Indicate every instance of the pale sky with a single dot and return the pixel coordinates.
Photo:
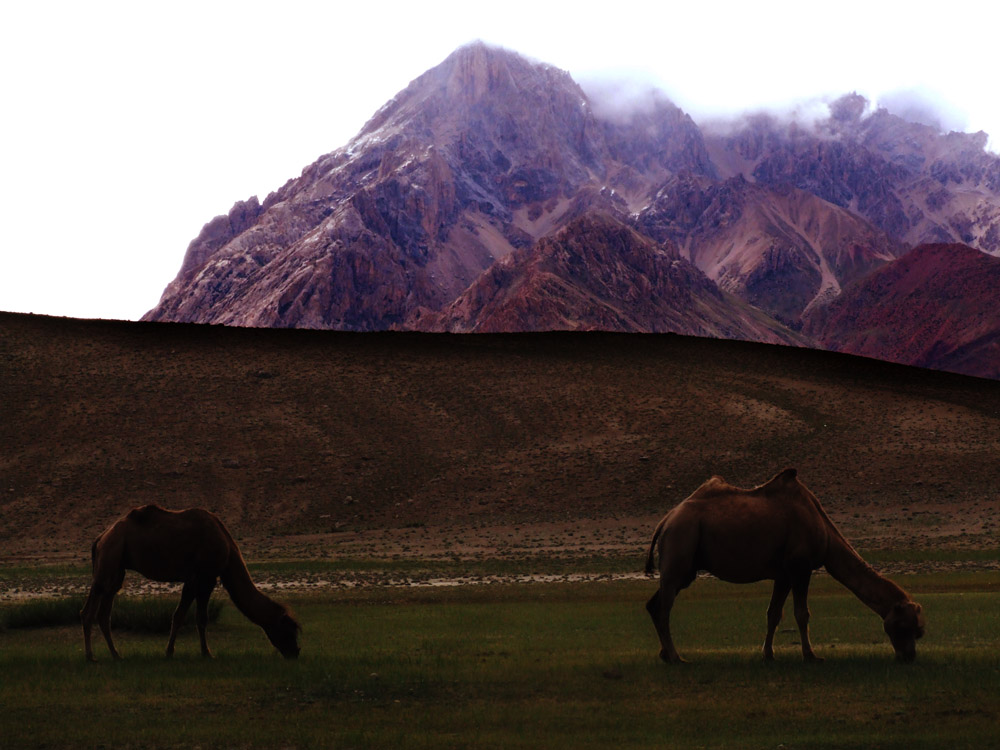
(126, 126)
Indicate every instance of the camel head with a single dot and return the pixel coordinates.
(284, 635)
(904, 625)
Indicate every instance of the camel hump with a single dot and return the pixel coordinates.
(145, 514)
(780, 480)
(712, 487)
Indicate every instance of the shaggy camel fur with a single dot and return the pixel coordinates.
(780, 532)
(192, 547)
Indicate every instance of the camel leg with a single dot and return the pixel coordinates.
(105, 604)
(204, 594)
(87, 615)
(187, 596)
(659, 607)
(800, 592)
(778, 596)
(104, 621)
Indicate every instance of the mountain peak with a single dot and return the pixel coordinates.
(849, 108)
(478, 69)
(476, 78)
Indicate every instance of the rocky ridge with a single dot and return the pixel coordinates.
(599, 274)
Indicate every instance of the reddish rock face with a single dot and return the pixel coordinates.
(490, 194)
(599, 274)
(938, 306)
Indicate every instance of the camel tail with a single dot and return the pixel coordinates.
(651, 555)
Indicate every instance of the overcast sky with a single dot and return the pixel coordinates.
(125, 127)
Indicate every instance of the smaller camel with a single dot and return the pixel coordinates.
(780, 532)
(192, 547)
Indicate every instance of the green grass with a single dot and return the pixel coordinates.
(41, 572)
(143, 614)
(932, 555)
(399, 567)
(507, 666)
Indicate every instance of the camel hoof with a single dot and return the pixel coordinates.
(813, 659)
(672, 658)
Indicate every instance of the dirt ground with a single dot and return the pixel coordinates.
(324, 445)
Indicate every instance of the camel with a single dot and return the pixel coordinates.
(780, 532)
(192, 547)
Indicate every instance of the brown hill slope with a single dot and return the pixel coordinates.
(331, 444)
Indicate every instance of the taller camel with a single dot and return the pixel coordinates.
(780, 532)
(192, 547)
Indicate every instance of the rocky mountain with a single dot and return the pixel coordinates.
(479, 156)
(938, 306)
(493, 194)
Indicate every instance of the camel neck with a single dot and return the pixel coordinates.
(846, 565)
(251, 601)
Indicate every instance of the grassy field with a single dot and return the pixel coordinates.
(530, 665)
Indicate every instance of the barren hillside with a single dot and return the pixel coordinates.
(327, 444)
